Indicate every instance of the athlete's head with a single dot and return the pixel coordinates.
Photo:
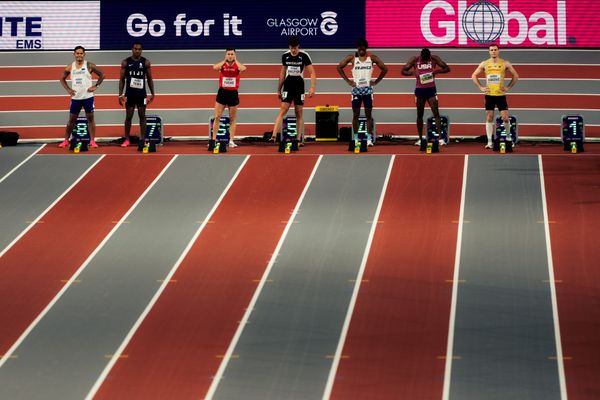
(494, 50)
(361, 46)
(230, 55)
(79, 53)
(293, 45)
(136, 50)
(425, 54)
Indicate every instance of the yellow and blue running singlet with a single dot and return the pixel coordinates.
(494, 75)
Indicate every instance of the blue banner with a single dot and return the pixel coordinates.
(237, 24)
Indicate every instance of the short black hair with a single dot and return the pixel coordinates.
(78, 47)
(362, 42)
(493, 45)
(135, 43)
(230, 49)
(293, 41)
(425, 53)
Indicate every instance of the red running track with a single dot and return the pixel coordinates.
(177, 348)
(270, 100)
(36, 268)
(272, 71)
(573, 196)
(396, 343)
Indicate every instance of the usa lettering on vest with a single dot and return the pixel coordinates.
(553, 28)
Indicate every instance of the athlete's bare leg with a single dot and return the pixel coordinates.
(433, 104)
(420, 112)
(70, 125)
(142, 118)
(92, 125)
(283, 109)
(232, 122)
(299, 123)
(218, 113)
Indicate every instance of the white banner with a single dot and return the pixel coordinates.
(49, 25)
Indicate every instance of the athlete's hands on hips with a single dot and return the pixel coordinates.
(92, 88)
(504, 89)
(71, 92)
(373, 82)
(484, 89)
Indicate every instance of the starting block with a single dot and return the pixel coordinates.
(154, 129)
(289, 136)
(80, 136)
(219, 145)
(432, 131)
(502, 142)
(572, 133)
(433, 140)
(359, 142)
(153, 136)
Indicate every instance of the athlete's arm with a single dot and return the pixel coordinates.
(340, 69)
(150, 80)
(444, 67)
(241, 66)
(515, 76)
(94, 69)
(122, 82)
(313, 79)
(281, 79)
(219, 65)
(383, 69)
(475, 79)
(63, 80)
(406, 70)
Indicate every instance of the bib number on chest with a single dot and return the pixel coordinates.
(426, 78)
(493, 79)
(294, 71)
(362, 82)
(228, 81)
(136, 83)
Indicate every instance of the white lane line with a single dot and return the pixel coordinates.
(557, 339)
(162, 287)
(35, 221)
(238, 333)
(21, 163)
(450, 346)
(361, 271)
(81, 268)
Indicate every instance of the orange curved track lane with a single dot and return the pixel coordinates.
(36, 268)
(179, 346)
(573, 195)
(178, 101)
(272, 71)
(398, 334)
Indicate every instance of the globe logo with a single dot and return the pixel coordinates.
(483, 22)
